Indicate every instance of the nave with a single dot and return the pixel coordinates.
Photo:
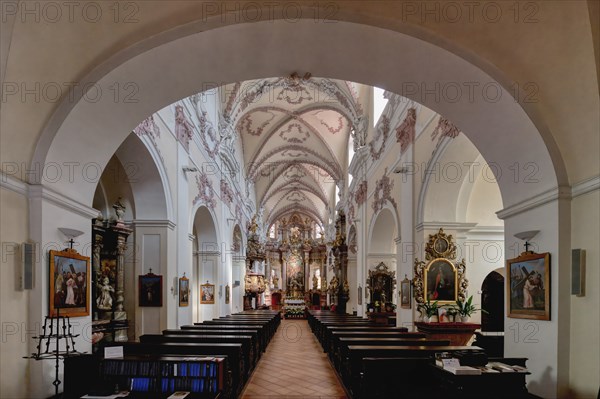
(294, 366)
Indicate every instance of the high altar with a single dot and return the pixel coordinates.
(291, 265)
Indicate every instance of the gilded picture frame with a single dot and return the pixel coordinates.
(184, 291)
(405, 293)
(69, 283)
(207, 294)
(528, 286)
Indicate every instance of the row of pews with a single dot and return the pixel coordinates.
(375, 361)
(239, 339)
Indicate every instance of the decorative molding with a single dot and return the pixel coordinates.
(461, 227)
(206, 193)
(152, 223)
(383, 132)
(405, 133)
(206, 253)
(585, 186)
(227, 194)
(37, 191)
(445, 128)
(383, 193)
(184, 130)
(556, 193)
(360, 195)
(15, 185)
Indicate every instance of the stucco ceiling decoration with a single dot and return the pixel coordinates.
(294, 132)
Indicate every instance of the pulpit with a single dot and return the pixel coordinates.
(458, 334)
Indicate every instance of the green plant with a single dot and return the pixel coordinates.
(467, 308)
(430, 309)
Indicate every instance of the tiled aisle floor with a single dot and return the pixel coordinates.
(294, 366)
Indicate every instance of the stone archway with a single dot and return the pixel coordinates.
(90, 132)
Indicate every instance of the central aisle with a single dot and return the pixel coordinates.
(294, 365)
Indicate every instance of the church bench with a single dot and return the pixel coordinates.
(253, 334)
(260, 330)
(351, 366)
(271, 322)
(383, 378)
(323, 327)
(328, 333)
(246, 341)
(341, 349)
(233, 352)
(266, 328)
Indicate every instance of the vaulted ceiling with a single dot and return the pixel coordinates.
(295, 135)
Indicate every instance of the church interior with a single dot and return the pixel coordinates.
(288, 199)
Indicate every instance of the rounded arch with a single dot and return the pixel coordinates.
(490, 125)
(204, 225)
(136, 174)
(492, 301)
(383, 230)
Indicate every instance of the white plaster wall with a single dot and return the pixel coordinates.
(585, 317)
(544, 343)
(14, 303)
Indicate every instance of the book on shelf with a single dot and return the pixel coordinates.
(506, 368)
(463, 370)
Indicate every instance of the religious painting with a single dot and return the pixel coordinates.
(441, 281)
(227, 294)
(150, 290)
(184, 291)
(207, 293)
(69, 282)
(528, 288)
(405, 301)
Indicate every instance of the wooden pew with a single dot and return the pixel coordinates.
(352, 366)
(253, 334)
(343, 344)
(336, 334)
(327, 334)
(383, 378)
(266, 328)
(245, 340)
(260, 330)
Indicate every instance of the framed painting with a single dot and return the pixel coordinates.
(441, 281)
(528, 288)
(207, 293)
(359, 297)
(184, 291)
(150, 287)
(227, 294)
(405, 301)
(69, 284)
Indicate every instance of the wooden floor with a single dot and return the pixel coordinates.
(294, 366)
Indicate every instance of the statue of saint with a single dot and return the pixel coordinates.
(119, 209)
(104, 301)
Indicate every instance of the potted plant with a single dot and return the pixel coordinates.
(466, 309)
(429, 310)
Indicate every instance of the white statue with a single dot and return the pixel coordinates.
(104, 301)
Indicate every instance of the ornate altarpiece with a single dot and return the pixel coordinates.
(108, 262)
(441, 278)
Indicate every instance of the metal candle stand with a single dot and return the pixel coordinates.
(46, 339)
